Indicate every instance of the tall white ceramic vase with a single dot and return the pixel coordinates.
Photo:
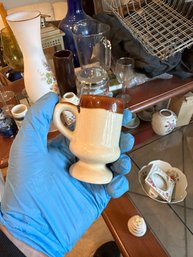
(38, 76)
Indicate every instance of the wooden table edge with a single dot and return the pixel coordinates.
(182, 87)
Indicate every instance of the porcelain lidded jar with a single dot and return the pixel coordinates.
(164, 122)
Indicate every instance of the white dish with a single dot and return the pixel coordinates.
(177, 175)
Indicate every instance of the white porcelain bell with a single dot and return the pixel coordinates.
(137, 226)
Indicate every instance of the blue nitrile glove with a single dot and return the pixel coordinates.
(43, 205)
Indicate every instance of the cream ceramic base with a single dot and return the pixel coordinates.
(91, 173)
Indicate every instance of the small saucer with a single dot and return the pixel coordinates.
(134, 123)
(177, 175)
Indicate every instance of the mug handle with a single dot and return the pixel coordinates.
(61, 107)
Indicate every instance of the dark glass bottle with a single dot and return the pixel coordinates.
(75, 13)
(64, 69)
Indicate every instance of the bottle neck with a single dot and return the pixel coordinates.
(3, 15)
(75, 6)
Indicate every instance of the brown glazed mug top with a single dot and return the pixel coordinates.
(102, 102)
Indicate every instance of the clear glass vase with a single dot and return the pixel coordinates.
(75, 13)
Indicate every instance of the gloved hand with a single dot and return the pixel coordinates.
(43, 205)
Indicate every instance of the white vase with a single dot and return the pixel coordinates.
(38, 76)
(163, 122)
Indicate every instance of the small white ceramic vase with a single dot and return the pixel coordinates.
(164, 122)
(38, 76)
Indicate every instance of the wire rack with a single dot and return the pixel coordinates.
(163, 27)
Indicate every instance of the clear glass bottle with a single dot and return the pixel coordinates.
(75, 13)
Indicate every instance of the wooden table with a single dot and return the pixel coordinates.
(119, 210)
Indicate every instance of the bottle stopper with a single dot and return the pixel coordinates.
(137, 226)
(71, 98)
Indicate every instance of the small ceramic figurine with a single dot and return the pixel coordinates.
(8, 127)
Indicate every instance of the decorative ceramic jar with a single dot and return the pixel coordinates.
(163, 122)
(75, 13)
(38, 76)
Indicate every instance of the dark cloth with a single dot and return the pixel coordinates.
(124, 44)
(108, 249)
(7, 248)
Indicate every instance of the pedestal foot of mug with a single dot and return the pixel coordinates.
(91, 173)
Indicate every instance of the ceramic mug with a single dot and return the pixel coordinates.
(95, 139)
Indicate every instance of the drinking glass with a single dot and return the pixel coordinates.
(124, 72)
(7, 99)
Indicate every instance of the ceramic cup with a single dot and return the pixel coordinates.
(95, 139)
(18, 112)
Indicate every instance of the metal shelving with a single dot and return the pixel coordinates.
(162, 27)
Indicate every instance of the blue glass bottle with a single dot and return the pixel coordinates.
(75, 13)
